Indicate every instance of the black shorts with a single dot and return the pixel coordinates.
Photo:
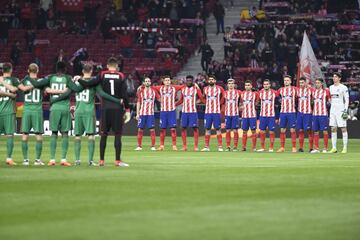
(111, 121)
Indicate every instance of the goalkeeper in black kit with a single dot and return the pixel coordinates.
(113, 115)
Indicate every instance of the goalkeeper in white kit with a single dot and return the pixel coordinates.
(338, 112)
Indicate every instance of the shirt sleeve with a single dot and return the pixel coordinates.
(346, 97)
(91, 83)
(15, 82)
(40, 83)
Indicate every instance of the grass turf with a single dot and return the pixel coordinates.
(177, 195)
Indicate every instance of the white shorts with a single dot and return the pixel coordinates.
(336, 120)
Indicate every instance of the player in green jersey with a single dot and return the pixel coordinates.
(60, 119)
(8, 87)
(85, 114)
(32, 117)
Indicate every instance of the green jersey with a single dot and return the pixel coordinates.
(32, 99)
(85, 102)
(57, 82)
(7, 104)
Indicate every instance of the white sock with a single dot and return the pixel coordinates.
(333, 139)
(345, 139)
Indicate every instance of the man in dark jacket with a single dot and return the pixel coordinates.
(219, 13)
(206, 54)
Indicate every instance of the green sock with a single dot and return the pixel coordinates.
(53, 141)
(38, 149)
(9, 146)
(25, 147)
(64, 146)
(91, 149)
(77, 149)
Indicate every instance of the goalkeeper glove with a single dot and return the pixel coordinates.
(127, 117)
(345, 115)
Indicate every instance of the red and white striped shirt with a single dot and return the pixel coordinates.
(267, 102)
(288, 96)
(248, 99)
(189, 97)
(304, 100)
(213, 98)
(320, 98)
(167, 96)
(232, 102)
(146, 97)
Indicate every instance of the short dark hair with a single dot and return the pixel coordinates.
(320, 80)
(338, 74)
(287, 76)
(166, 76)
(302, 79)
(190, 76)
(266, 80)
(87, 68)
(60, 67)
(211, 76)
(7, 67)
(112, 61)
(248, 81)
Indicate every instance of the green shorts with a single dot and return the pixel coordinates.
(32, 120)
(7, 124)
(84, 124)
(60, 121)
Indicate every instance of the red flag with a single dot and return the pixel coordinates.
(70, 5)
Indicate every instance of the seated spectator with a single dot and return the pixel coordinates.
(26, 15)
(354, 110)
(15, 53)
(29, 40)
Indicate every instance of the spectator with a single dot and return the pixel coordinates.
(26, 16)
(105, 27)
(29, 40)
(354, 111)
(131, 16)
(253, 59)
(261, 46)
(206, 55)
(4, 29)
(131, 86)
(219, 13)
(51, 17)
(15, 9)
(142, 13)
(227, 41)
(90, 15)
(126, 42)
(15, 53)
(41, 18)
(150, 43)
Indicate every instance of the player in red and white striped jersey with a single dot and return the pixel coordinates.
(145, 112)
(189, 117)
(167, 94)
(321, 97)
(249, 99)
(267, 114)
(214, 98)
(232, 120)
(287, 113)
(304, 115)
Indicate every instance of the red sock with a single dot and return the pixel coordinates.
(301, 139)
(196, 137)
(207, 140)
(293, 139)
(311, 139)
(254, 138)
(244, 140)
(139, 137)
(162, 136)
(228, 139)
(282, 139)
(219, 139)
(316, 140)
(262, 140)
(183, 136)
(272, 140)
(236, 138)
(173, 136)
(153, 137)
(326, 140)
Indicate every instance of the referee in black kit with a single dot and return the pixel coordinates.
(113, 115)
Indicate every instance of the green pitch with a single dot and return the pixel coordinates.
(177, 195)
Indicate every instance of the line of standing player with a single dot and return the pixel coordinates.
(109, 85)
(304, 109)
